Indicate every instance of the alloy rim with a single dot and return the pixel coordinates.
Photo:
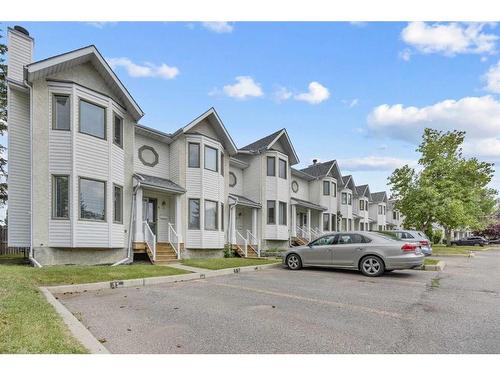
(293, 262)
(371, 266)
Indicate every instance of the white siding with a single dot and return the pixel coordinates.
(19, 178)
(204, 184)
(238, 188)
(159, 170)
(20, 54)
(303, 192)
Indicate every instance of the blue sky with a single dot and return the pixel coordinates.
(359, 93)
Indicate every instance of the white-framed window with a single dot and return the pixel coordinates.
(193, 155)
(222, 163)
(117, 204)
(92, 118)
(282, 168)
(380, 209)
(271, 212)
(61, 112)
(211, 158)
(92, 200)
(60, 196)
(193, 213)
(282, 213)
(349, 199)
(344, 198)
(361, 205)
(271, 166)
(326, 187)
(334, 189)
(117, 130)
(326, 222)
(211, 215)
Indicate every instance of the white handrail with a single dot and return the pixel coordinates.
(238, 234)
(173, 234)
(250, 236)
(315, 233)
(150, 239)
(302, 232)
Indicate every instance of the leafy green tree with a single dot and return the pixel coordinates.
(449, 189)
(3, 121)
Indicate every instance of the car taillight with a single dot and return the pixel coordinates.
(424, 243)
(409, 247)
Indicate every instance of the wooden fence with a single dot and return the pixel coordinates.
(4, 247)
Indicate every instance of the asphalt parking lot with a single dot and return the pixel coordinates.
(308, 311)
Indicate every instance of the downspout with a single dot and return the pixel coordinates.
(129, 258)
(31, 255)
(231, 218)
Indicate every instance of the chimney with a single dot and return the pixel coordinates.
(315, 161)
(20, 50)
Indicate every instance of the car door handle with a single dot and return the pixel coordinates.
(359, 248)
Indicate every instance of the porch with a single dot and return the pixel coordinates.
(157, 218)
(306, 221)
(243, 226)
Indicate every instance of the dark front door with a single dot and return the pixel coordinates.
(150, 213)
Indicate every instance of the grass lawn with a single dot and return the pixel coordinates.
(430, 261)
(28, 324)
(220, 263)
(445, 250)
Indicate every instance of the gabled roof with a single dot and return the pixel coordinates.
(300, 174)
(364, 191)
(303, 203)
(55, 64)
(244, 201)
(379, 196)
(267, 143)
(213, 118)
(348, 182)
(320, 170)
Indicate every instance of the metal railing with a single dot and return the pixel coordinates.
(174, 240)
(302, 232)
(150, 239)
(240, 240)
(251, 237)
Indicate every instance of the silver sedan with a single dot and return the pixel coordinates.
(371, 253)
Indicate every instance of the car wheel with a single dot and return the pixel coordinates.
(293, 262)
(372, 266)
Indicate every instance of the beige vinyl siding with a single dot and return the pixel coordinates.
(19, 177)
(303, 192)
(20, 54)
(159, 170)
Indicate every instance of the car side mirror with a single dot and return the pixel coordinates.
(310, 244)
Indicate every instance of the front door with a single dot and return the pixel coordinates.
(150, 213)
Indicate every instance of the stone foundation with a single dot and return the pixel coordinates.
(50, 256)
(202, 253)
(274, 244)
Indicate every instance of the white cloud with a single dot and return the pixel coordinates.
(492, 78)
(244, 87)
(449, 38)
(146, 70)
(485, 148)
(317, 93)
(351, 103)
(218, 27)
(478, 116)
(282, 94)
(100, 24)
(374, 163)
(405, 54)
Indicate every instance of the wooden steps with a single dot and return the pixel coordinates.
(165, 253)
(240, 250)
(299, 241)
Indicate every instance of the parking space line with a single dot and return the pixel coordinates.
(313, 300)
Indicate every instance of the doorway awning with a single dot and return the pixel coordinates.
(307, 204)
(244, 201)
(158, 183)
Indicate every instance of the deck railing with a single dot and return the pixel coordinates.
(174, 240)
(240, 240)
(251, 239)
(150, 239)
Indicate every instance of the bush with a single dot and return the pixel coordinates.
(228, 252)
(437, 236)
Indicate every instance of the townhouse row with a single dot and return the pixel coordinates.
(88, 184)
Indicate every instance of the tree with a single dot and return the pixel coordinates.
(450, 190)
(3, 121)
